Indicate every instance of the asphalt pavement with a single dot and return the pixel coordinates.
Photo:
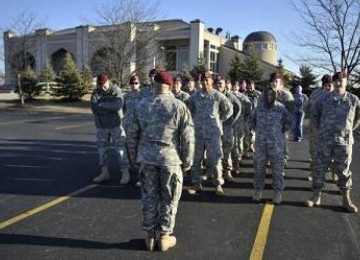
(45, 157)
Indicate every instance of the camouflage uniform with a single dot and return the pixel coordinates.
(183, 96)
(161, 139)
(269, 125)
(146, 91)
(107, 109)
(130, 100)
(209, 110)
(238, 148)
(249, 138)
(336, 117)
(228, 138)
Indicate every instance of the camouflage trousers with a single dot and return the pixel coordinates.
(336, 156)
(118, 138)
(238, 148)
(249, 137)
(228, 142)
(312, 146)
(214, 154)
(160, 193)
(273, 152)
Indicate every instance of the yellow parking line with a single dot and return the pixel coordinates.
(72, 126)
(262, 233)
(43, 207)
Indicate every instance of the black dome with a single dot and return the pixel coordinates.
(261, 36)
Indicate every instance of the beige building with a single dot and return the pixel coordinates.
(176, 44)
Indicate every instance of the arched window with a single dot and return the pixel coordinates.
(57, 59)
(22, 60)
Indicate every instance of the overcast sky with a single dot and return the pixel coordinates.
(235, 17)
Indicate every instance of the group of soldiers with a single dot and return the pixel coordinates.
(203, 128)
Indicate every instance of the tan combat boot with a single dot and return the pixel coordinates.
(228, 177)
(219, 191)
(277, 197)
(257, 195)
(347, 203)
(195, 189)
(167, 242)
(150, 240)
(104, 175)
(125, 176)
(315, 199)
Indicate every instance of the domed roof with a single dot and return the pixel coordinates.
(261, 36)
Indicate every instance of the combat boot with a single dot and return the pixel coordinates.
(195, 189)
(277, 197)
(167, 242)
(104, 175)
(347, 203)
(150, 240)
(257, 195)
(227, 176)
(315, 199)
(125, 176)
(219, 191)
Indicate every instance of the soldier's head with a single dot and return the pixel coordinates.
(340, 81)
(152, 74)
(242, 85)
(326, 82)
(190, 85)
(207, 81)
(298, 89)
(250, 85)
(276, 81)
(163, 82)
(269, 97)
(177, 84)
(228, 85)
(220, 84)
(134, 82)
(103, 81)
(235, 87)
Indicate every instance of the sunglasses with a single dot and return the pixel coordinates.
(135, 83)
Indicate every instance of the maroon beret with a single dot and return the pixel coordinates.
(164, 77)
(102, 78)
(276, 75)
(133, 79)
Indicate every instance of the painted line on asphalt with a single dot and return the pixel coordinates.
(35, 120)
(72, 126)
(44, 207)
(262, 233)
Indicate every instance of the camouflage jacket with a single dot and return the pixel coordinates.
(161, 132)
(336, 117)
(183, 96)
(146, 91)
(130, 100)
(254, 97)
(107, 107)
(236, 109)
(246, 104)
(209, 110)
(270, 124)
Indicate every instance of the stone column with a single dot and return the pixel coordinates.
(82, 46)
(197, 28)
(9, 78)
(41, 49)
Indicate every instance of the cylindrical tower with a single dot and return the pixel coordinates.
(263, 44)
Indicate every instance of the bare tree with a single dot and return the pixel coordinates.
(20, 32)
(126, 38)
(331, 34)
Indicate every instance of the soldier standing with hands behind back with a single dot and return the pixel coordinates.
(161, 140)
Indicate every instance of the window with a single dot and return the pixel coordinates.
(176, 57)
(214, 65)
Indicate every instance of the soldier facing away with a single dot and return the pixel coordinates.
(269, 120)
(161, 140)
(336, 116)
(106, 105)
(209, 109)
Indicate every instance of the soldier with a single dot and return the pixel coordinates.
(228, 138)
(209, 109)
(130, 100)
(160, 126)
(106, 105)
(270, 120)
(301, 102)
(254, 96)
(315, 97)
(190, 86)
(286, 98)
(148, 90)
(336, 116)
(178, 93)
(238, 149)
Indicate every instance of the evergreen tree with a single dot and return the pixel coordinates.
(306, 78)
(286, 75)
(28, 81)
(86, 80)
(235, 69)
(185, 72)
(69, 80)
(250, 69)
(200, 67)
(47, 74)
